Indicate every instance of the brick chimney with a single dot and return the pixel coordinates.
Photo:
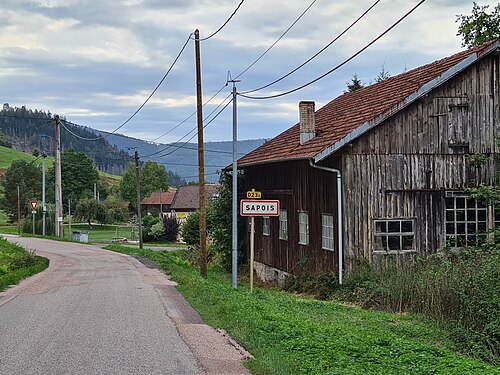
(307, 121)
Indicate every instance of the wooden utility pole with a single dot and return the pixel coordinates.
(201, 160)
(58, 183)
(138, 185)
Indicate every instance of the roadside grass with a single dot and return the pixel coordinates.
(17, 264)
(292, 334)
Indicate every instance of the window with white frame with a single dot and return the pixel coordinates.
(394, 235)
(327, 232)
(266, 225)
(466, 220)
(303, 228)
(283, 225)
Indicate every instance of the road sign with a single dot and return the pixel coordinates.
(254, 194)
(33, 204)
(260, 207)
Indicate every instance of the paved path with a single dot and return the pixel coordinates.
(98, 312)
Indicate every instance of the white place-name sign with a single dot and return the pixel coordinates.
(260, 207)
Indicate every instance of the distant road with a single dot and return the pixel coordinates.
(98, 312)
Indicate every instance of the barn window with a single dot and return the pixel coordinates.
(303, 228)
(394, 235)
(327, 232)
(266, 226)
(466, 220)
(283, 225)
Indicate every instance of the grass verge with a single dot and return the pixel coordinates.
(16, 264)
(290, 334)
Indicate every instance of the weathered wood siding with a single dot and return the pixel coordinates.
(402, 167)
(299, 188)
(399, 169)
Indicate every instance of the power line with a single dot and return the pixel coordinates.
(339, 65)
(276, 41)
(224, 24)
(317, 53)
(208, 123)
(244, 71)
(157, 86)
(185, 135)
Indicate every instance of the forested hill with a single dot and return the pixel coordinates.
(27, 129)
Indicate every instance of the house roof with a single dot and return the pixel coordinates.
(187, 197)
(157, 197)
(352, 114)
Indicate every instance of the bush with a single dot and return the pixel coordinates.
(459, 290)
(171, 229)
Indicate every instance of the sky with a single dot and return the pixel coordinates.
(96, 62)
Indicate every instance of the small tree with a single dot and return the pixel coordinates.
(354, 85)
(383, 75)
(480, 26)
(90, 209)
(171, 228)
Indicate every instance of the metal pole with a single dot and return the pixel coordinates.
(58, 182)
(235, 193)
(18, 210)
(201, 160)
(44, 209)
(138, 184)
(33, 213)
(252, 244)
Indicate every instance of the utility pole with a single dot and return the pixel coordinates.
(138, 185)
(235, 191)
(18, 210)
(58, 183)
(201, 160)
(44, 209)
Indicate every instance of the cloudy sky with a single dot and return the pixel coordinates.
(96, 62)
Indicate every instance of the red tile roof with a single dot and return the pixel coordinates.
(350, 111)
(156, 198)
(187, 197)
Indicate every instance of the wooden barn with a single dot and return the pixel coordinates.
(380, 173)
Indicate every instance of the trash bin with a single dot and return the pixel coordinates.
(81, 236)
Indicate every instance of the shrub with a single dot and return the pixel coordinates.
(171, 228)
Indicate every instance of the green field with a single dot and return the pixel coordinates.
(293, 334)
(8, 155)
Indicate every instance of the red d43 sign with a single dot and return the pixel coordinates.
(259, 208)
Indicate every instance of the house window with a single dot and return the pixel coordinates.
(394, 235)
(466, 220)
(327, 232)
(283, 225)
(266, 226)
(303, 228)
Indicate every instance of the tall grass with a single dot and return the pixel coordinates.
(459, 290)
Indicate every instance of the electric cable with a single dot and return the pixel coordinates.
(339, 65)
(244, 71)
(276, 41)
(185, 135)
(224, 24)
(208, 123)
(317, 53)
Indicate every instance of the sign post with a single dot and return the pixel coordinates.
(252, 208)
(33, 204)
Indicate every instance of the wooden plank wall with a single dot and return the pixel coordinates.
(401, 168)
(299, 188)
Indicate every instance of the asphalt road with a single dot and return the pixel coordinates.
(98, 312)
